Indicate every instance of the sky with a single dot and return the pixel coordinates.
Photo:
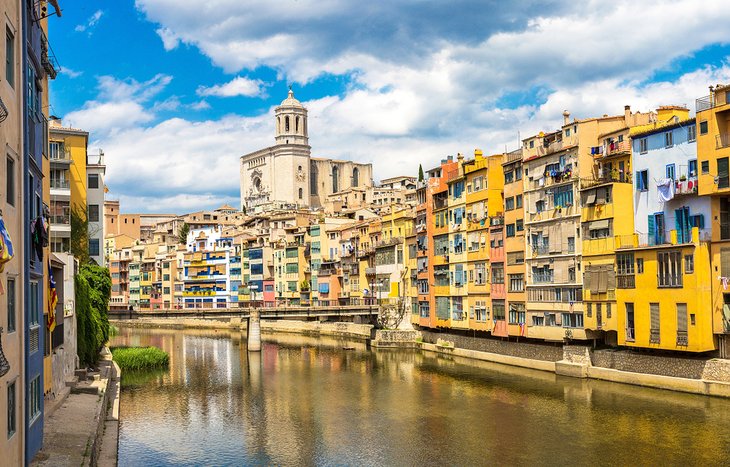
(176, 91)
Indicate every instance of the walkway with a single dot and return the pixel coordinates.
(72, 434)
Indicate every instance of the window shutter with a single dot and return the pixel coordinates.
(651, 227)
(682, 317)
(611, 278)
(654, 311)
(638, 181)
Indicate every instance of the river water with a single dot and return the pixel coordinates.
(307, 401)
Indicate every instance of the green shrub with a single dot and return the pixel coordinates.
(93, 289)
(140, 358)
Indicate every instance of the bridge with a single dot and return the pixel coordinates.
(254, 315)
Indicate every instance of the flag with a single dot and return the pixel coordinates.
(6, 245)
(52, 299)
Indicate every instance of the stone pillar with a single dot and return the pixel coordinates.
(254, 331)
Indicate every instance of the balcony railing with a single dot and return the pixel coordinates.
(61, 184)
(627, 281)
(542, 278)
(682, 338)
(630, 334)
(513, 156)
(613, 149)
(722, 140)
(62, 219)
(707, 102)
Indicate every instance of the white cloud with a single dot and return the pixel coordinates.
(424, 80)
(90, 23)
(69, 72)
(102, 117)
(238, 86)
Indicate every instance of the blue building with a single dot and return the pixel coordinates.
(38, 65)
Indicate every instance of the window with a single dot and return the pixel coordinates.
(509, 177)
(480, 272)
(498, 310)
(669, 269)
(93, 180)
(642, 180)
(640, 265)
(93, 247)
(34, 398)
(567, 132)
(689, 264)
(301, 193)
(9, 57)
(519, 225)
(703, 127)
(540, 205)
(12, 410)
(563, 196)
(510, 229)
(516, 282)
(723, 177)
(625, 271)
(498, 273)
(11, 304)
(670, 169)
(478, 182)
(355, 176)
(692, 168)
(572, 320)
(643, 145)
(532, 144)
(668, 139)
(509, 204)
(10, 181)
(654, 323)
(691, 133)
(93, 213)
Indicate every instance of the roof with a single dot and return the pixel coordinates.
(291, 101)
(663, 128)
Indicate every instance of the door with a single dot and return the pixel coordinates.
(630, 322)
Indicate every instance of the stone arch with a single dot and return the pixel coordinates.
(286, 124)
(355, 176)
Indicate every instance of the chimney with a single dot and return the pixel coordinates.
(627, 114)
(460, 157)
(566, 117)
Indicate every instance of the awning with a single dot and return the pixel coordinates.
(591, 197)
(598, 225)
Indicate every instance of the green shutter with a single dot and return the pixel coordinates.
(651, 228)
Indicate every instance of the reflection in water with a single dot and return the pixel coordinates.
(305, 401)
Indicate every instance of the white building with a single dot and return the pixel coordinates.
(95, 170)
(665, 171)
(285, 174)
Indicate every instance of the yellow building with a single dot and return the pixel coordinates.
(713, 155)
(457, 246)
(666, 307)
(514, 242)
(391, 255)
(477, 241)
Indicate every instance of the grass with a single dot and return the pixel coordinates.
(140, 358)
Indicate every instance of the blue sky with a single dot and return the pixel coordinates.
(175, 91)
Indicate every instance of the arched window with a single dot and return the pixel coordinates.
(286, 124)
(278, 124)
(313, 178)
(355, 176)
(301, 193)
(335, 179)
(296, 125)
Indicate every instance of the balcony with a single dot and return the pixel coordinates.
(512, 156)
(60, 184)
(625, 281)
(48, 58)
(709, 102)
(370, 271)
(604, 178)
(616, 149)
(390, 242)
(682, 339)
(61, 219)
(541, 278)
(685, 187)
(722, 140)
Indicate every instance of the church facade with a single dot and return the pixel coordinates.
(286, 175)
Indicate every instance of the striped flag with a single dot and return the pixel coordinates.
(52, 299)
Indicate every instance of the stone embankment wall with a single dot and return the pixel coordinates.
(545, 352)
(351, 330)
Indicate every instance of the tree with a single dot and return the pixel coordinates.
(420, 172)
(182, 233)
(93, 287)
(79, 242)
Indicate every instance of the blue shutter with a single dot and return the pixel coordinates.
(678, 224)
(652, 229)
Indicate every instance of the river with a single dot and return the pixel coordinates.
(307, 401)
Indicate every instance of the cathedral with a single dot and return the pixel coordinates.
(286, 175)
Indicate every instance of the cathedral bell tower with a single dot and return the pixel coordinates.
(291, 122)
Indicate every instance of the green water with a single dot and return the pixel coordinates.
(306, 401)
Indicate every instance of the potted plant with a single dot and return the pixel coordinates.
(682, 178)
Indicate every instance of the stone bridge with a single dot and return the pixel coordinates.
(356, 313)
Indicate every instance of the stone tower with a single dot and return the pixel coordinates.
(291, 122)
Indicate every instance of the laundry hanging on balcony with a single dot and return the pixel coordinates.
(665, 189)
(39, 236)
